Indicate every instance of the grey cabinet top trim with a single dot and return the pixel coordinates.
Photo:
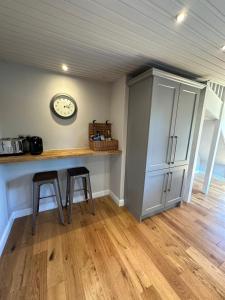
(159, 73)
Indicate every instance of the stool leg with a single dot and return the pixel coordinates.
(60, 194)
(35, 205)
(67, 190)
(84, 179)
(59, 200)
(39, 196)
(90, 193)
(71, 191)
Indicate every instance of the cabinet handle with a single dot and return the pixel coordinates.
(171, 179)
(175, 150)
(167, 178)
(170, 149)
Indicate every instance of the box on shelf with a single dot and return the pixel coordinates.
(103, 129)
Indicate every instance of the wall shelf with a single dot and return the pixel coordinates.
(56, 154)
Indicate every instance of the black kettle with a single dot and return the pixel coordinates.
(36, 145)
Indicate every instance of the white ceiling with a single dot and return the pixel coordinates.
(104, 39)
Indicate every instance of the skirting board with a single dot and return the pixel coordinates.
(52, 205)
(45, 207)
(6, 233)
(119, 202)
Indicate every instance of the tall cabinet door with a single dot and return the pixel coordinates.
(162, 121)
(184, 127)
(175, 185)
(155, 191)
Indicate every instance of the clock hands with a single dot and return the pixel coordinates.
(67, 106)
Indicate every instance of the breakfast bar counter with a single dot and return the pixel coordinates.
(56, 154)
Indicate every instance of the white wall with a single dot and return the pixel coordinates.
(1, 129)
(4, 215)
(218, 171)
(118, 117)
(198, 164)
(25, 96)
(24, 103)
(212, 104)
(206, 138)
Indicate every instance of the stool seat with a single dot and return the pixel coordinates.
(78, 171)
(44, 176)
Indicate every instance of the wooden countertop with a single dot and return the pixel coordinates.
(56, 154)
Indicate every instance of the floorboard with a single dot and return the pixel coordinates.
(179, 254)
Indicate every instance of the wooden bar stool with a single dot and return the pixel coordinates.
(72, 175)
(40, 179)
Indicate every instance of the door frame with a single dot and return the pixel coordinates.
(195, 146)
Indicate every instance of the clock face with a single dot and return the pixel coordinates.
(63, 106)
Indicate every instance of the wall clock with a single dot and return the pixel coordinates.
(63, 106)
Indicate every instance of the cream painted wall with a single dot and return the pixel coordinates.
(118, 117)
(25, 96)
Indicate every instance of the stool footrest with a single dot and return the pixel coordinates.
(72, 175)
(47, 197)
(79, 190)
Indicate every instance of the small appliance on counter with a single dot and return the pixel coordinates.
(26, 143)
(21, 145)
(11, 146)
(36, 145)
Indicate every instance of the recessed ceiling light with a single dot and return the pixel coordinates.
(180, 17)
(223, 48)
(65, 67)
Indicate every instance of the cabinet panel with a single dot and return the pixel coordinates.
(137, 142)
(185, 120)
(155, 191)
(162, 122)
(175, 185)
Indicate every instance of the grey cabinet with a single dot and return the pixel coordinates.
(176, 180)
(161, 120)
(164, 102)
(163, 189)
(185, 120)
(155, 189)
(172, 119)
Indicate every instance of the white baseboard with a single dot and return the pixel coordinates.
(44, 207)
(119, 202)
(52, 204)
(28, 211)
(101, 194)
(5, 234)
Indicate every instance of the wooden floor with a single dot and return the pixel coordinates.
(179, 254)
